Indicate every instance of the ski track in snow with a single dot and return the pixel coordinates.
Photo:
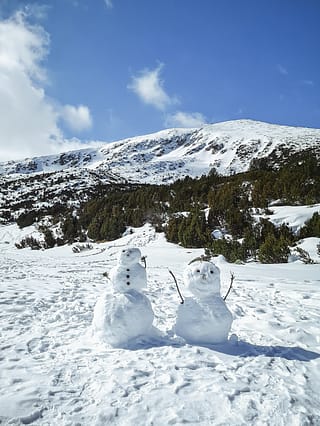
(54, 372)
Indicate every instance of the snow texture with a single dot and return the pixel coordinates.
(53, 372)
(204, 318)
(170, 154)
(120, 318)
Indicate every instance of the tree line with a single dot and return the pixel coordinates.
(191, 208)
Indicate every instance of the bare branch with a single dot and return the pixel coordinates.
(144, 260)
(178, 289)
(230, 286)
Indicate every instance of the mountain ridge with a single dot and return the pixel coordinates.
(73, 177)
(228, 146)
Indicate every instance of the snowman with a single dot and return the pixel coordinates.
(126, 314)
(203, 318)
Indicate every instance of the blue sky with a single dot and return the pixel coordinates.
(109, 69)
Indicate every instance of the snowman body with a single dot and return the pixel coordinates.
(204, 318)
(126, 314)
(128, 274)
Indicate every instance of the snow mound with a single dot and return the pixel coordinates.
(205, 322)
(122, 317)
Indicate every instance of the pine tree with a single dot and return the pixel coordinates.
(274, 250)
(49, 238)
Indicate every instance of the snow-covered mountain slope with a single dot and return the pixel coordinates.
(20, 193)
(158, 158)
(175, 153)
(53, 372)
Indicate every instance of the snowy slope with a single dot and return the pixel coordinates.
(293, 216)
(158, 158)
(174, 153)
(53, 372)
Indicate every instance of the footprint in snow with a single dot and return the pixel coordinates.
(38, 345)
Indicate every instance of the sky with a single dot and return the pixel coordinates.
(75, 71)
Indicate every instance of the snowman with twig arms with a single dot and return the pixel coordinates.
(204, 317)
(126, 314)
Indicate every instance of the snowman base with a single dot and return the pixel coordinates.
(205, 321)
(120, 318)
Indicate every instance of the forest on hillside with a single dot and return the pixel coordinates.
(189, 210)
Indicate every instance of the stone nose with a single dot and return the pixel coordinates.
(204, 276)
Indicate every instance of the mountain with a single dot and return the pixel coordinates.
(175, 153)
(162, 157)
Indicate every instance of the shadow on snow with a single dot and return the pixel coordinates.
(244, 349)
(238, 348)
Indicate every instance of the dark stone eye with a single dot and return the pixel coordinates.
(211, 272)
(123, 251)
(198, 270)
(128, 283)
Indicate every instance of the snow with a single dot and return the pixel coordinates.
(203, 318)
(122, 317)
(202, 279)
(293, 216)
(207, 321)
(310, 245)
(128, 273)
(172, 154)
(53, 372)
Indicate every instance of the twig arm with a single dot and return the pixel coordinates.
(178, 289)
(230, 286)
(144, 261)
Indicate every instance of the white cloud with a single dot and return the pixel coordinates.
(28, 121)
(282, 70)
(28, 118)
(77, 118)
(109, 4)
(307, 82)
(185, 119)
(149, 88)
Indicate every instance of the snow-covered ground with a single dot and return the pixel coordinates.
(54, 372)
(293, 216)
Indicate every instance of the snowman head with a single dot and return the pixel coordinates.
(129, 256)
(202, 279)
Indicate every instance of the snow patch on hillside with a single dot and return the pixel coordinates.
(293, 216)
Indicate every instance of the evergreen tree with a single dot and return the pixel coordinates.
(311, 227)
(172, 229)
(274, 250)
(49, 238)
